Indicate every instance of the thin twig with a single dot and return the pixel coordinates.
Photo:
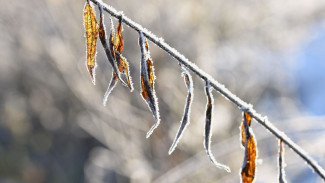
(217, 86)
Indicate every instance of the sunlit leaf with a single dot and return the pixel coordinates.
(186, 118)
(208, 133)
(249, 165)
(247, 119)
(281, 163)
(110, 87)
(147, 83)
(119, 43)
(91, 28)
(150, 69)
(123, 67)
(116, 47)
(102, 37)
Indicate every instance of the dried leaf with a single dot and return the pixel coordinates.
(91, 37)
(102, 37)
(249, 165)
(110, 87)
(116, 48)
(150, 69)
(247, 119)
(147, 84)
(208, 134)
(123, 67)
(281, 163)
(186, 119)
(119, 43)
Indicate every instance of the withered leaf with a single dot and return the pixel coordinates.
(247, 119)
(119, 43)
(281, 163)
(91, 28)
(102, 37)
(116, 47)
(110, 87)
(186, 119)
(123, 67)
(208, 134)
(147, 83)
(249, 165)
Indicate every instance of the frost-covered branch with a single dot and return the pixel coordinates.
(217, 86)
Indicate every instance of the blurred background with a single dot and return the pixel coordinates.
(54, 128)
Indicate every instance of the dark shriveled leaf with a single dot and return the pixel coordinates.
(281, 163)
(247, 119)
(102, 37)
(91, 28)
(186, 118)
(249, 165)
(208, 134)
(147, 83)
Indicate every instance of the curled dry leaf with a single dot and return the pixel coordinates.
(91, 28)
(102, 37)
(116, 48)
(247, 119)
(208, 133)
(114, 55)
(147, 78)
(281, 163)
(123, 67)
(249, 165)
(186, 118)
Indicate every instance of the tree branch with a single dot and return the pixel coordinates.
(217, 86)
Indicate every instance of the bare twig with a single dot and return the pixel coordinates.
(217, 86)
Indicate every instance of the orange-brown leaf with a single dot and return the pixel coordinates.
(119, 43)
(281, 162)
(248, 170)
(146, 45)
(144, 91)
(116, 48)
(249, 165)
(91, 28)
(111, 43)
(147, 83)
(150, 72)
(248, 120)
(123, 68)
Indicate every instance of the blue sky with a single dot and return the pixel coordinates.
(310, 76)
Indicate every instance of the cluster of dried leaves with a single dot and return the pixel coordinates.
(120, 66)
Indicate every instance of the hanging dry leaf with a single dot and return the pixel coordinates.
(247, 119)
(116, 48)
(186, 119)
(91, 37)
(249, 165)
(102, 37)
(123, 67)
(281, 163)
(208, 134)
(147, 83)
